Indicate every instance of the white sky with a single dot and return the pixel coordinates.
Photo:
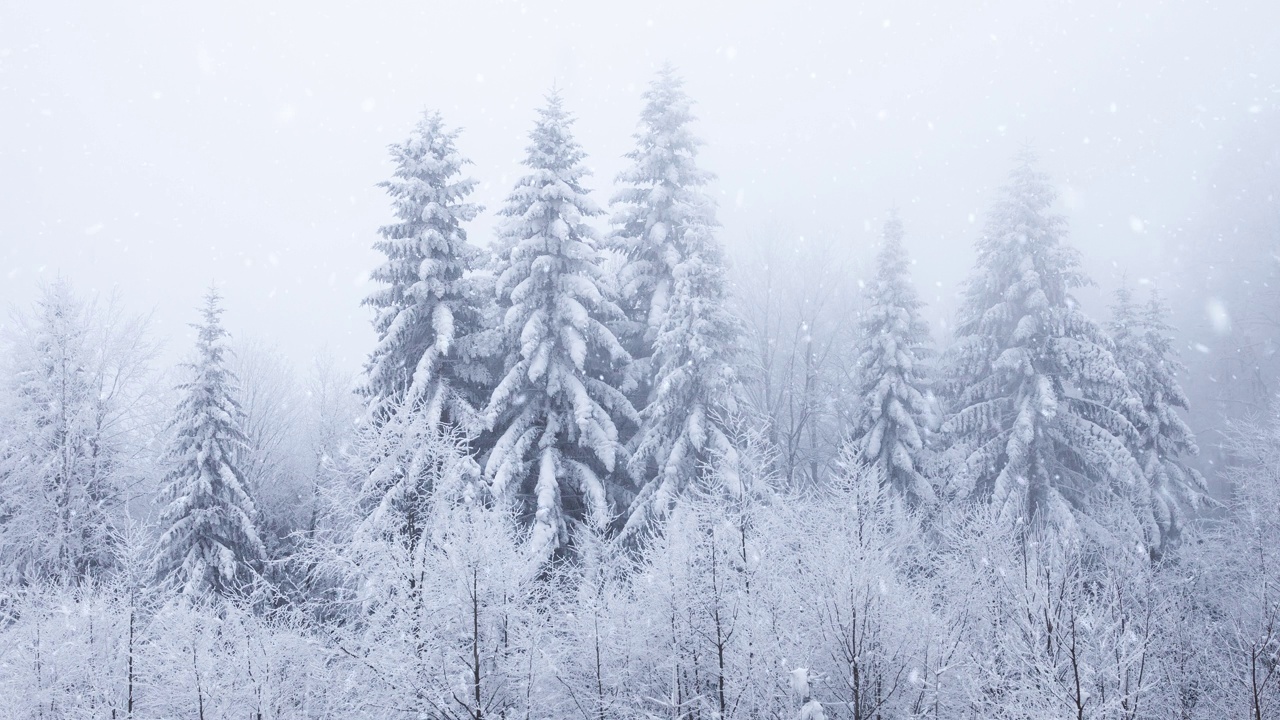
(156, 147)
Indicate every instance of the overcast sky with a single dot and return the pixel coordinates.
(156, 147)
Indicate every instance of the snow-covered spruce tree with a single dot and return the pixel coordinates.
(1145, 352)
(675, 292)
(209, 541)
(892, 415)
(662, 195)
(425, 372)
(553, 413)
(1032, 382)
(425, 308)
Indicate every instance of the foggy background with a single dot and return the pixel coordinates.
(156, 147)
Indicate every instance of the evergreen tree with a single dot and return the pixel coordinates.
(687, 427)
(662, 195)
(554, 410)
(1145, 352)
(892, 417)
(427, 371)
(675, 291)
(426, 309)
(209, 543)
(1033, 382)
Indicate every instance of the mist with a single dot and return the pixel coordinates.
(158, 149)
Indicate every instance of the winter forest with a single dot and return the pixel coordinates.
(602, 462)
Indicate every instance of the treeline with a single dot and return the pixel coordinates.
(584, 475)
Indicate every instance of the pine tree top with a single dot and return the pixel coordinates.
(665, 157)
(555, 160)
(427, 171)
(211, 385)
(1144, 346)
(547, 234)
(893, 412)
(1022, 257)
(1041, 405)
(555, 401)
(892, 296)
(210, 332)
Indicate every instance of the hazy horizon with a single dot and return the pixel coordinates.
(155, 149)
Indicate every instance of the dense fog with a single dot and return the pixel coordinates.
(497, 360)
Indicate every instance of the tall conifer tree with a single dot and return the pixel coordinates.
(428, 374)
(1164, 442)
(554, 412)
(1033, 383)
(675, 292)
(426, 311)
(209, 541)
(662, 193)
(892, 418)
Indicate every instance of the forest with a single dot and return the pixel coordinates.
(593, 469)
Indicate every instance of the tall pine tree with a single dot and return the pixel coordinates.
(1033, 383)
(427, 375)
(892, 418)
(554, 411)
(1164, 442)
(426, 311)
(675, 294)
(209, 543)
(662, 192)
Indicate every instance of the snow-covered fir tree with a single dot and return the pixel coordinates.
(426, 374)
(554, 412)
(209, 541)
(893, 415)
(1032, 381)
(1164, 443)
(675, 292)
(662, 193)
(425, 309)
(687, 428)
